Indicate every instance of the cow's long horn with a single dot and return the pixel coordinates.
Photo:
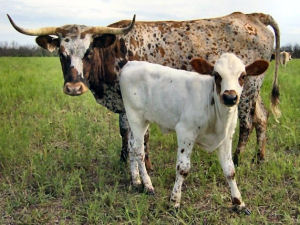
(112, 30)
(34, 32)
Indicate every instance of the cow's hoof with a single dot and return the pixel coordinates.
(258, 159)
(148, 165)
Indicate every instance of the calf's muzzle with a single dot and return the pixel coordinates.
(230, 98)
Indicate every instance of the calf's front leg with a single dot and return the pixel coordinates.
(185, 140)
(125, 134)
(225, 159)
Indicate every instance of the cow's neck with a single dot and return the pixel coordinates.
(104, 77)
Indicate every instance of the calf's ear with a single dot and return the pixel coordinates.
(47, 42)
(256, 68)
(202, 66)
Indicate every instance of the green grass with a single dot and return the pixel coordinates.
(59, 160)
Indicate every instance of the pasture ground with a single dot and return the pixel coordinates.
(59, 160)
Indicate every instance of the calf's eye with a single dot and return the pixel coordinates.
(242, 79)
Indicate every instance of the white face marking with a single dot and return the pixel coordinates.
(75, 48)
(230, 68)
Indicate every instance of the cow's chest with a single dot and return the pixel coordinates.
(111, 98)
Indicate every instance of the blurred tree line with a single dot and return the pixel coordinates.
(294, 49)
(13, 49)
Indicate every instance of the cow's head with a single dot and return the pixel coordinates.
(229, 73)
(75, 45)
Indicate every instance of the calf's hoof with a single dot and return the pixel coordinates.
(137, 184)
(241, 209)
(174, 204)
(138, 187)
(247, 211)
(149, 191)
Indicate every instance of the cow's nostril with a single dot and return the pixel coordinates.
(80, 88)
(68, 89)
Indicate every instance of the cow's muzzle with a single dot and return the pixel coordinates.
(230, 98)
(75, 89)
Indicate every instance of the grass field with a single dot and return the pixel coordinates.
(59, 160)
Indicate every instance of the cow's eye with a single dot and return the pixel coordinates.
(88, 54)
(217, 76)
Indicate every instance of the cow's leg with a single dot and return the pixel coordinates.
(125, 133)
(246, 127)
(246, 113)
(260, 123)
(225, 159)
(185, 140)
(146, 148)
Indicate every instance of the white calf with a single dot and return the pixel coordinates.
(200, 108)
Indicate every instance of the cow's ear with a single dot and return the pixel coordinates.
(104, 40)
(202, 66)
(47, 42)
(256, 68)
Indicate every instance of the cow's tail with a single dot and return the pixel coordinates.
(268, 20)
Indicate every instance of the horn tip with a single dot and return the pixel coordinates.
(8, 16)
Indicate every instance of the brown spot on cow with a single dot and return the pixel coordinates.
(236, 201)
(218, 80)
(62, 49)
(183, 67)
(162, 51)
(183, 173)
(231, 176)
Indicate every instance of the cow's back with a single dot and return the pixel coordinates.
(174, 43)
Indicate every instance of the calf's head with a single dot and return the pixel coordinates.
(75, 45)
(229, 74)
